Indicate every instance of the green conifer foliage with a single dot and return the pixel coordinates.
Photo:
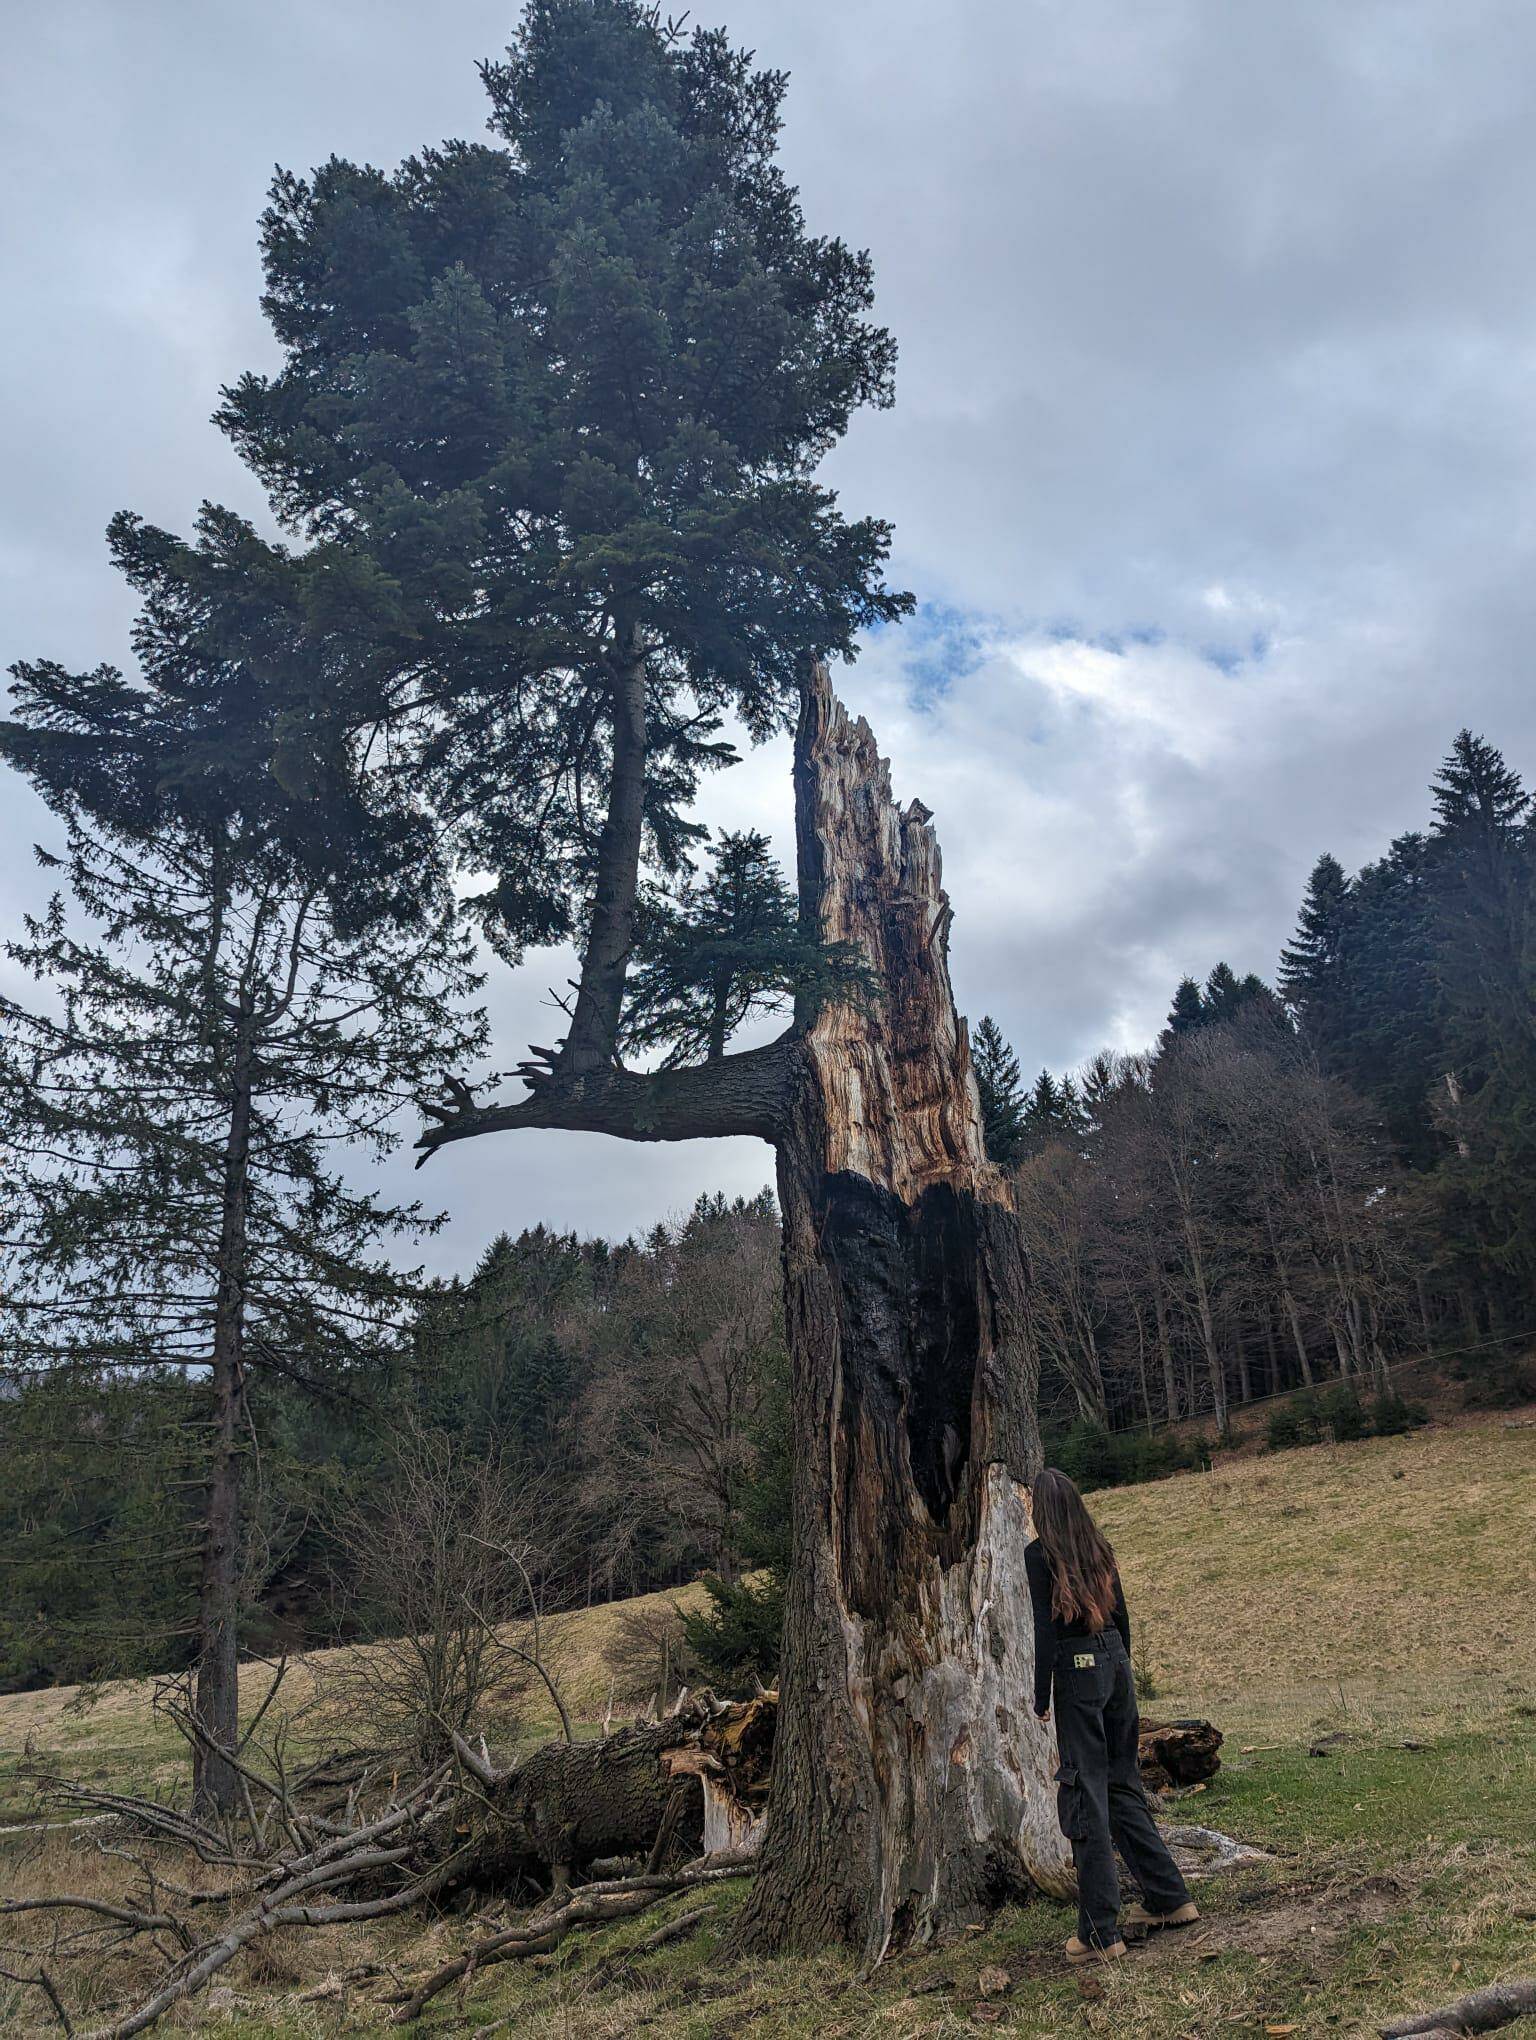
(1313, 961)
(549, 410)
(715, 952)
(1000, 1083)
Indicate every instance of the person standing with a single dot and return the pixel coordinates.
(1083, 1664)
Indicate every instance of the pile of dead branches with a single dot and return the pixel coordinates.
(575, 1835)
(347, 1839)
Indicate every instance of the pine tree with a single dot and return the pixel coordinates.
(1000, 1082)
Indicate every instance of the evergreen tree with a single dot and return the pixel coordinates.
(1313, 961)
(1386, 1034)
(549, 408)
(1000, 1083)
(1484, 936)
(211, 1035)
(712, 954)
(1052, 1112)
(1186, 1014)
(98, 1521)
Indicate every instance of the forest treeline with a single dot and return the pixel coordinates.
(1309, 1182)
(626, 1398)
(1297, 1186)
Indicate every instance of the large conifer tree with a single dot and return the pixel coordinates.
(1001, 1084)
(1312, 961)
(216, 1024)
(1484, 939)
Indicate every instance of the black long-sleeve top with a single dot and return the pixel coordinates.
(1049, 1630)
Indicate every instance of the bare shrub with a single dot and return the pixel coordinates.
(647, 1658)
(448, 1561)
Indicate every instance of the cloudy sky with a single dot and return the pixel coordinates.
(1211, 461)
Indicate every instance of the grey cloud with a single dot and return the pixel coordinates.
(1217, 325)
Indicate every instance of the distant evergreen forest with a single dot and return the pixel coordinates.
(1307, 1182)
(1299, 1186)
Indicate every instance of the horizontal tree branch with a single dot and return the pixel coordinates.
(738, 1094)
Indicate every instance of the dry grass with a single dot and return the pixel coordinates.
(1368, 1587)
(111, 1733)
(1377, 1582)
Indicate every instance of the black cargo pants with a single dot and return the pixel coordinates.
(1100, 1801)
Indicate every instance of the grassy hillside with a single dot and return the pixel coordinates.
(1356, 1617)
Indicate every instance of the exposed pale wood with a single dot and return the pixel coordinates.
(899, 1098)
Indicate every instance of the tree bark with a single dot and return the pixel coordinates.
(216, 1696)
(912, 1785)
(600, 995)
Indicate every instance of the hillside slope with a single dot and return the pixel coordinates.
(1383, 1578)
(1371, 1584)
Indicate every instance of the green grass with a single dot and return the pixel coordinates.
(1398, 1881)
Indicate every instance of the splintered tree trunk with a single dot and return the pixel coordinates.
(912, 1786)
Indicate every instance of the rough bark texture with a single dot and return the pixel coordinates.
(567, 1805)
(1179, 1753)
(594, 1024)
(912, 1785)
(217, 1686)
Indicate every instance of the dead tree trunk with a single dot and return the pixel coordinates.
(912, 1785)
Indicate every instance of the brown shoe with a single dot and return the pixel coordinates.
(1137, 1916)
(1078, 1952)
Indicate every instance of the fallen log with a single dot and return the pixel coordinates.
(1481, 2011)
(566, 1805)
(1179, 1753)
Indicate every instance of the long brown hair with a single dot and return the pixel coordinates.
(1081, 1558)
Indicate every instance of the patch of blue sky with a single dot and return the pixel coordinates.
(1232, 658)
(942, 645)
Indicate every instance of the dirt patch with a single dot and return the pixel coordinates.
(1288, 1919)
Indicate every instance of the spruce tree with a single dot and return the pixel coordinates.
(1312, 963)
(213, 1034)
(1000, 1082)
(1186, 1014)
(1052, 1112)
(1386, 1027)
(1484, 936)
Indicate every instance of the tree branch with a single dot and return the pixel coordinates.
(740, 1094)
